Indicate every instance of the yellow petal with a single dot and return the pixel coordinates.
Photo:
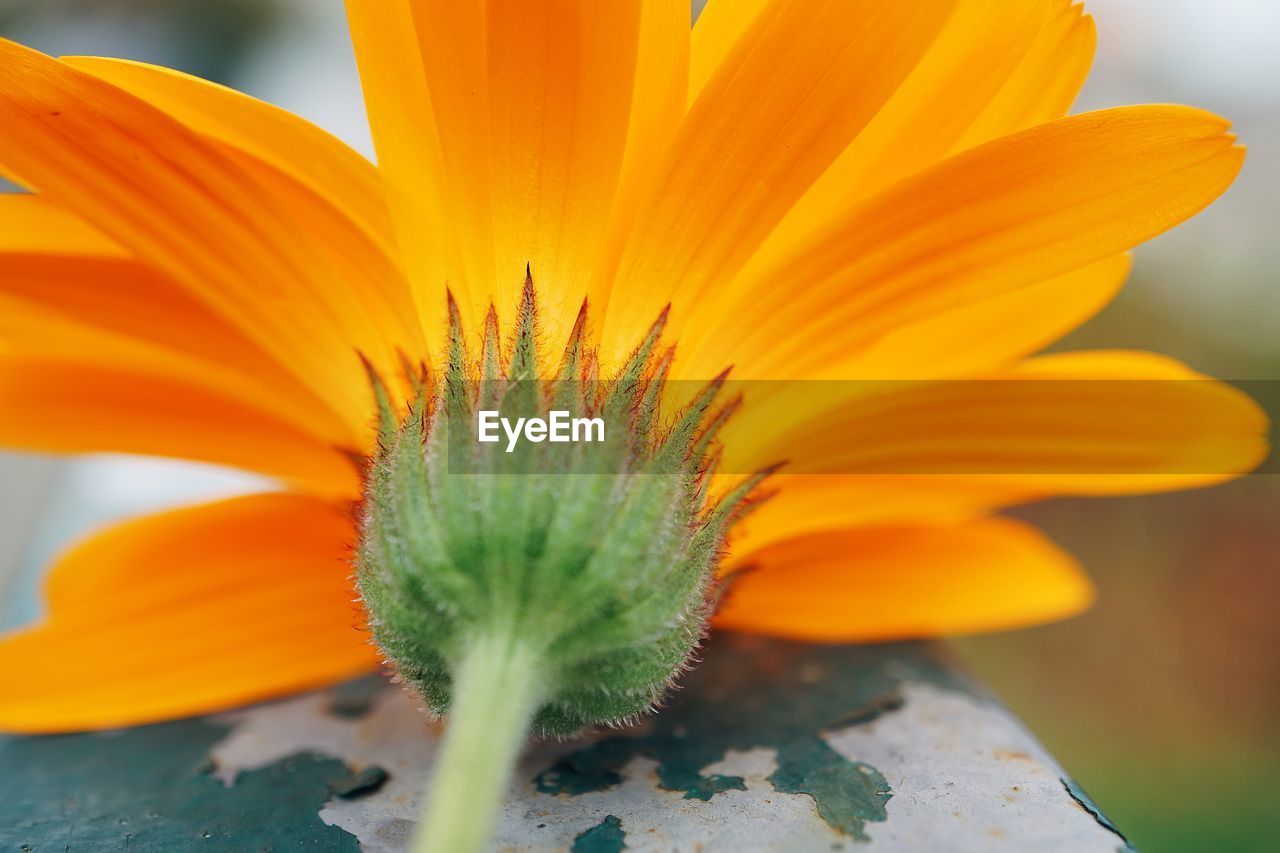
(363, 291)
(518, 118)
(900, 582)
(1080, 423)
(992, 332)
(189, 612)
(66, 291)
(798, 85)
(83, 403)
(979, 48)
(560, 77)
(718, 28)
(800, 504)
(999, 217)
(441, 244)
(30, 225)
(1045, 83)
(189, 207)
(657, 107)
(300, 149)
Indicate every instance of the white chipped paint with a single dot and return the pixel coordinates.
(968, 772)
(395, 735)
(655, 819)
(962, 771)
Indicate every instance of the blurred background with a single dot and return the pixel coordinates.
(1163, 701)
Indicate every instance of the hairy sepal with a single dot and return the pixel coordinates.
(599, 556)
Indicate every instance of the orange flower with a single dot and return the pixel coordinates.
(822, 190)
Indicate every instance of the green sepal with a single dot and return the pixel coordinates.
(600, 558)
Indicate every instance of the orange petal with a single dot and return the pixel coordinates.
(761, 131)
(530, 107)
(979, 48)
(295, 146)
(364, 290)
(31, 225)
(1045, 83)
(658, 104)
(1002, 216)
(994, 70)
(992, 332)
(718, 28)
(186, 206)
(82, 403)
(442, 245)
(189, 612)
(1079, 423)
(804, 504)
(66, 291)
(892, 583)
(560, 74)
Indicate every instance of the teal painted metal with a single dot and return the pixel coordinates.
(1086, 802)
(607, 836)
(150, 789)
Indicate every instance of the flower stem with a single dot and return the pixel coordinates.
(497, 687)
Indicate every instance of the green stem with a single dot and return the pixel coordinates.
(496, 689)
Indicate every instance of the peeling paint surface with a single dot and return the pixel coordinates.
(769, 746)
(964, 770)
(607, 836)
(1086, 802)
(150, 789)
